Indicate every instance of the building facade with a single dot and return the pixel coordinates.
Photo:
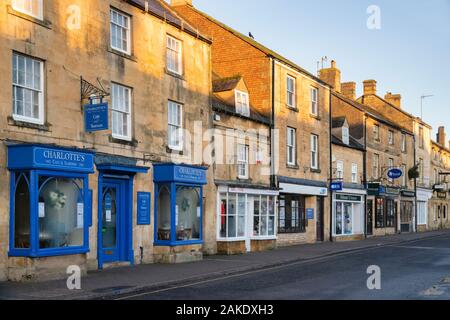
(98, 172)
(298, 106)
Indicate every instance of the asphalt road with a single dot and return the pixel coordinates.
(419, 270)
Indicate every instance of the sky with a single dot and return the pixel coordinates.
(409, 54)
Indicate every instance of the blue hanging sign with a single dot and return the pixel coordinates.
(96, 117)
(336, 186)
(143, 208)
(395, 173)
(310, 214)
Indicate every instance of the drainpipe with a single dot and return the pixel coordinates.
(365, 175)
(330, 128)
(272, 128)
(415, 186)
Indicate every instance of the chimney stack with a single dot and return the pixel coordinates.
(349, 90)
(332, 76)
(394, 99)
(370, 87)
(175, 3)
(441, 137)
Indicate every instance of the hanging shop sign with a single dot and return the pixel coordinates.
(96, 117)
(336, 186)
(395, 173)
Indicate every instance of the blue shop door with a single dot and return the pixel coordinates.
(113, 245)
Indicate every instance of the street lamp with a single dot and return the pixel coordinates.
(423, 97)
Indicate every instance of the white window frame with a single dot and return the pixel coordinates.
(376, 132)
(345, 135)
(314, 152)
(422, 214)
(122, 111)
(121, 27)
(314, 101)
(20, 6)
(242, 103)
(376, 160)
(390, 166)
(391, 137)
(242, 160)
(340, 170)
(404, 180)
(16, 85)
(179, 54)
(403, 142)
(291, 146)
(354, 173)
(291, 93)
(178, 126)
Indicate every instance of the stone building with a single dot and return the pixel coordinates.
(246, 217)
(439, 204)
(391, 108)
(389, 147)
(297, 104)
(130, 193)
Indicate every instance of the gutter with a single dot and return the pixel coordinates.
(331, 165)
(272, 128)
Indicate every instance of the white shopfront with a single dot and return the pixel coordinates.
(246, 214)
(348, 212)
(423, 197)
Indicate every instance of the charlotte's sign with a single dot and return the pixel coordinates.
(62, 158)
(191, 174)
(37, 157)
(395, 173)
(96, 117)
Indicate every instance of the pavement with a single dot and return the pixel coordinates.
(137, 280)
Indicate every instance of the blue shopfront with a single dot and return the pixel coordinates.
(179, 204)
(50, 200)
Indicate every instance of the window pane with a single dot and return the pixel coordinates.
(232, 232)
(223, 215)
(164, 213)
(188, 213)
(61, 209)
(22, 212)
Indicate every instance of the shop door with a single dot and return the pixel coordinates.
(369, 217)
(112, 240)
(320, 218)
(406, 216)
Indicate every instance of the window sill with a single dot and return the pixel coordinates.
(44, 23)
(291, 166)
(132, 143)
(295, 109)
(316, 170)
(23, 124)
(242, 179)
(313, 116)
(122, 54)
(174, 151)
(231, 239)
(174, 74)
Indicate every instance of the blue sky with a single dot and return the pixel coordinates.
(409, 55)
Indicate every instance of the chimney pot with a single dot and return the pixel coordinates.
(349, 90)
(370, 87)
(394, 99)
(441, 137)
(332, 76)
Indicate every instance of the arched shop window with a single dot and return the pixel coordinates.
(22, 210)
(187, 213)
(164, 213)
(179, 204)
(50, 200)
(60, 200)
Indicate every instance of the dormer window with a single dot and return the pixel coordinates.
(32, 8)
(242, 103)
(345, 135)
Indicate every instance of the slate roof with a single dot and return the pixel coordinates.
(219, 105)
(338, 122)
(353, 143)
(163, 11)
(226, 84)
(262, 48)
